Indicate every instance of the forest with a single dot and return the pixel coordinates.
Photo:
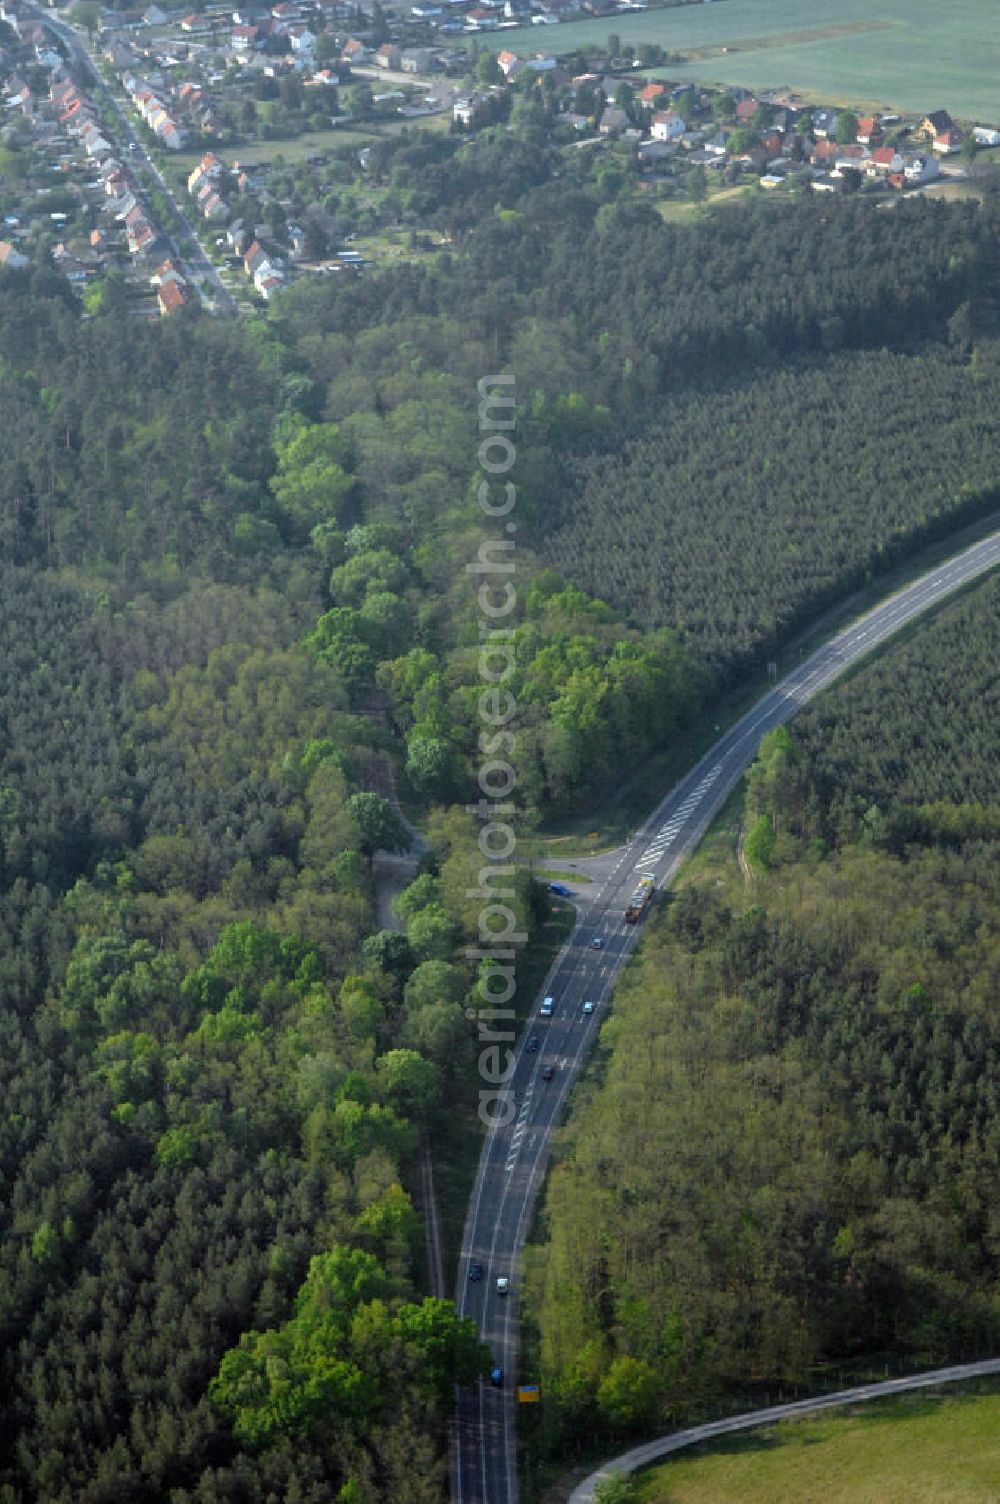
(787, 1157)
(239, 645)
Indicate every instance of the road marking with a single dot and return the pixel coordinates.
(774, 710)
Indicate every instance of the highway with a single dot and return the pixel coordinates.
(514, 1156)
(197, 265)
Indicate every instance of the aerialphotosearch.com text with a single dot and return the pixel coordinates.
(496, 599)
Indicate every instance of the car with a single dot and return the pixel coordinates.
(588, 1006)
(597, 942)
(548, 1071)
(548, 1003)
(496, 1377)
(561, 889)
(532, 1044)
(503, 1285)
(475, 1272)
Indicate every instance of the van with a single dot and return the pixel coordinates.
(545, 1011)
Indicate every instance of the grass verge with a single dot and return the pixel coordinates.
(917, 1449)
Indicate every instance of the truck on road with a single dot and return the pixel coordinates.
(639, 901)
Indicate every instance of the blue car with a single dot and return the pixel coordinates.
(496, 1378)
(561, 889)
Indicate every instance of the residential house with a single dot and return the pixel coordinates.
(171, 297)
(884, 160)
(238, 237)
(938, 123)
(869, 131)
(467, 106)
(209, 168)
(213, 207)
(986, 135)
(388, 56)
(354, 51)
(11, 260)
(824, 154)
(507, 62)
(824, 125)
(303, 42)
(166, 272)
(614, 121)
(254, 257)
(243, 38)
(268, 285)
(480, 19)
(667, 125)
(920, 169)
(948, 142)
(154, 16)
(418, 60)
(746, 109)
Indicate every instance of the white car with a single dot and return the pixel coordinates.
(545, 1011)
(503, 1285)
(588, 1007)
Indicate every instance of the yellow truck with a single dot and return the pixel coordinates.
(639, 901)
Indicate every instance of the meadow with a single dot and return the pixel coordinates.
(914, 1450)
(909, 55)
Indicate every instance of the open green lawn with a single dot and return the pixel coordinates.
(914, 55)
(310, 143)
(914, 1450)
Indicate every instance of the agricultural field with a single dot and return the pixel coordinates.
(902, 54)
(918, 1450)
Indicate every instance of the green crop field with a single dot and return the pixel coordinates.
(914, 1450)
(911, 55)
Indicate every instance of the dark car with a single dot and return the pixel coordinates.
(475, 1272)
(496, 1378)
(532, 1044)
(548, 1071)
(561, 889)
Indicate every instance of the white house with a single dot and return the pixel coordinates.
(986, 135)
(667, 126)
(920, 169)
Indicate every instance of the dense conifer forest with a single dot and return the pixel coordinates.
(236, 629)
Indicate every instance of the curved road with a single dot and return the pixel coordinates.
(484, 1457)
(652, 1451)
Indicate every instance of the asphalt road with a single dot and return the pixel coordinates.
(197, 264)
(652, 1451)
(514, 1156)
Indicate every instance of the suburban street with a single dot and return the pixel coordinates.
(513, 1158)
(197, 263)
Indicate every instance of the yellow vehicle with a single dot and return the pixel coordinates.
(640, 900)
